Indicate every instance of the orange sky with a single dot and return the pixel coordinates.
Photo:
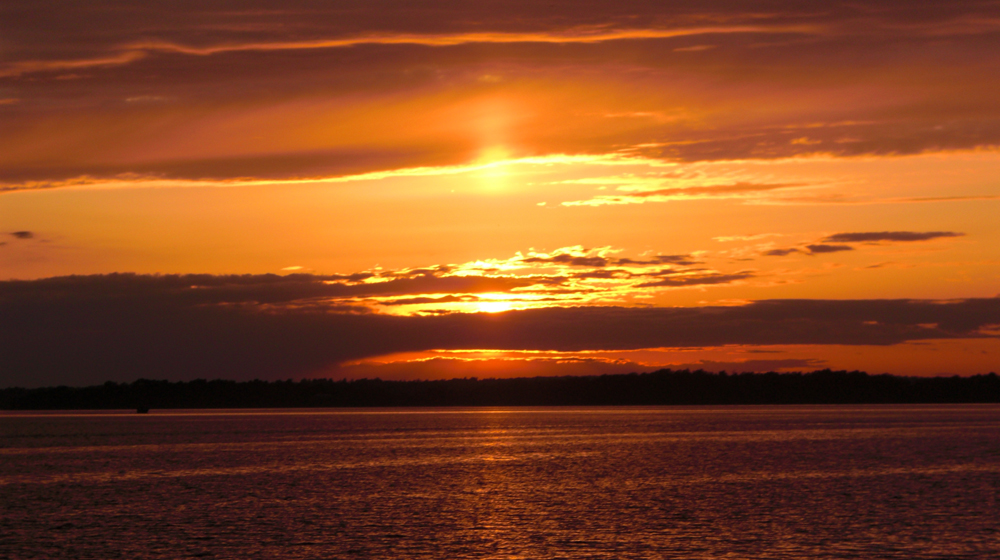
(399, 162)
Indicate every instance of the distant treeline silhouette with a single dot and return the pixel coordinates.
(664, 387)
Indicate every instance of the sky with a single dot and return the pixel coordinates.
(424, 190)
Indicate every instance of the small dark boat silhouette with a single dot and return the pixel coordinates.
(142, 410)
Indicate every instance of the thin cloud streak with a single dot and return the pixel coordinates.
(731, 191)
(137, 51)
(890, 236)
(820, 248)
(131, 180)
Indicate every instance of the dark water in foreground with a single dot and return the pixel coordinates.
(703, 482)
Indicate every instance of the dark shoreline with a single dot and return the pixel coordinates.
(664, 387)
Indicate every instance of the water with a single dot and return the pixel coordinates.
(701, 482)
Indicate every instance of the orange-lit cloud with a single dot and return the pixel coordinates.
(298, 92)
(292, 188)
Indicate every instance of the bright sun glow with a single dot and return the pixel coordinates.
(493, 306)
(494, 178)
(493, 154)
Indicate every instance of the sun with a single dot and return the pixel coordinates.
(494, 306)
(493, 154)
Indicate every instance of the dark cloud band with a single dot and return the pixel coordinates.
(81, 330)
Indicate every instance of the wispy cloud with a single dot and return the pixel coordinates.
(136, 51)
(698, 279)
(137, 180)
(730, 238)
(727, 191)
(820, 248)
(889, 236)
(781, 252)
(838, 242)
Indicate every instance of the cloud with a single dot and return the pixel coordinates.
(433, 300)
(838, 240)
(820, 248)
(140, 99)
(157, 27)
(694, 48)
(265, 289)
(780, 252)
(577, 256)
(698, 279)
(567, 259)
(945, 198)
(891, 236)
(22, 234)
(684, 260)
(568, 275)
(754, 365)
(734, 190)
(607, 273)
(451, 368)
(839, 80)
(130, 53)
(88, 329)
(730, 238)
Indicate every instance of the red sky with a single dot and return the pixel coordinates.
(445, 189)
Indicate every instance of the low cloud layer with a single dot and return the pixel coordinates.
(82, 330)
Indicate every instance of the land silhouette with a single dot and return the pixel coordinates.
(664, 387)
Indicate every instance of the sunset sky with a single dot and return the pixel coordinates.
(412, 190)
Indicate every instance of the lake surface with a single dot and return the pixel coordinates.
(674, 482)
